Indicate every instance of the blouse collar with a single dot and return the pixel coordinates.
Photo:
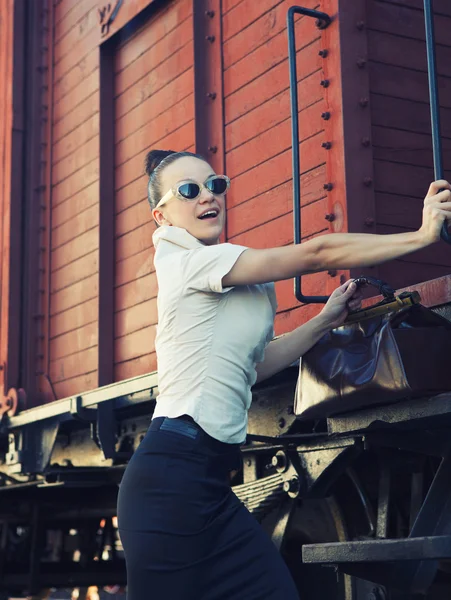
(177, 236)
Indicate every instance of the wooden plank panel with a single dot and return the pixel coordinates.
(131, 194)
(136, 292)
(227, 5)
(405, 52)
(155, 80)
(76, 182)
(74, 318)
(69, 230)
(74, 341)
(395, 178)
(274, 203)
(134, 368)
(182, 111)
(135, 241)
(74, 294)
(80, 246)
(402, 114)
(67, 13)
(273, 141)
(402, 273)
(138, 143)
(165, 20)
(177, 41)
(133, 218)
(402, 20)
(73, 365)
(72, 387)
(279, 232)
(273, 53)
(312, 217)
(75, 76)
(69, 54)
(135, 344)
(80, 114)
(437, 254)
(441, 7)
(407, 147)
(406, 83)
(86, 89)
(274, 172)
(135, 318)
(70, 208)
(76, 271)
(84, 221)
(135, 266)
(269, 85)
(243, 15)
(75, 161)
(259, 32)
(76, 138)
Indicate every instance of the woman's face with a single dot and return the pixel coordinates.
(188, 214)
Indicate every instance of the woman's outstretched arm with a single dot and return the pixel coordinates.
(343, 250)
(284, 351)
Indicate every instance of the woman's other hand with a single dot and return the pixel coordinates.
(348, 297)
(437, 210)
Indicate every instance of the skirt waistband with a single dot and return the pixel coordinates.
(187, 427)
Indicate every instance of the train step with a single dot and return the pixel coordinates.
(380, 551)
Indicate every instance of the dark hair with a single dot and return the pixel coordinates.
(156, 161)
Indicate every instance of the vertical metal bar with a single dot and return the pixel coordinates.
(434, 101)
(324, 20)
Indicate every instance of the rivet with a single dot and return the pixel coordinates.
(323, 53)
(363, 102)
(360, 25)
(210, 13)
(368, 181)
(321, 24)
(325, 83)
(366, 142)
(328, 187)
(361, 63)
(210, 38)
(330, 217)
(282, 423)
(211, 95)
(326, 145)
(369, 222)
(213, 149)
(325, 116)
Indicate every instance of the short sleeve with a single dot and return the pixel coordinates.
(204, 268)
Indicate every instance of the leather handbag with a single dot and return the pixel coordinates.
(393, 350)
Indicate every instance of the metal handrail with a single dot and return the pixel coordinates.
(323, 21)
(434, 101)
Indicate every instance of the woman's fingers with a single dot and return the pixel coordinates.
(436, 186)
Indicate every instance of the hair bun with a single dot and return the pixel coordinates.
(154, 158)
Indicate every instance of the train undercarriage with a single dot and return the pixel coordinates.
(359, 506)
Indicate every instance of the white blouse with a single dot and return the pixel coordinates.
(209, 338)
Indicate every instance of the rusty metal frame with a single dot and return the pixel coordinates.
(350, 158)
(13, 366)
(35, 252)
(208, 84)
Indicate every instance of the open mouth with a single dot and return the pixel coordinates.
(209, 214)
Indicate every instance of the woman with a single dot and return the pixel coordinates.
(185, 534)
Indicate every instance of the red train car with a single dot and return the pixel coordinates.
(89, 88)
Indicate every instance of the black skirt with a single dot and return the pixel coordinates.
(185, 534)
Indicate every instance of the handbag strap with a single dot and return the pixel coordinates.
(384, 288)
